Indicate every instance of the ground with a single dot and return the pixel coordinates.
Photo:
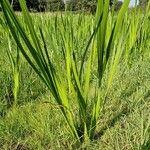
(37, 123)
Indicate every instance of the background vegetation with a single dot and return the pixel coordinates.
(58, 5)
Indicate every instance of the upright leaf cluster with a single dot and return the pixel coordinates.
(68, 73)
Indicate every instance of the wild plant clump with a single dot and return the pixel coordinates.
(79, 80)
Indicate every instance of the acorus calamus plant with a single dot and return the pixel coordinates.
(72, 86)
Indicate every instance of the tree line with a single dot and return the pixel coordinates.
(58, 5)
(55, 5)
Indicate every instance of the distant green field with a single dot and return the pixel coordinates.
(96, 74)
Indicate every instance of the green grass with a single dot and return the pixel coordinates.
(38, 124)
(36, 121)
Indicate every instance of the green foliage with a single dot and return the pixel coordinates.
(78, 66)
(143, 2)
(78, 79)
(58, 5)
(32, 4)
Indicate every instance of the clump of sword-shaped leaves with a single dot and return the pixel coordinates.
(72, 86)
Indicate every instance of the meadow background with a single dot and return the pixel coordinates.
(31, 118)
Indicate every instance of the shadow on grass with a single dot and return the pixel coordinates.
(110, 123)
(124, 112)
(145, 146)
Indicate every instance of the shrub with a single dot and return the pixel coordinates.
(58, 5)
(32, 5)
(55, 5)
